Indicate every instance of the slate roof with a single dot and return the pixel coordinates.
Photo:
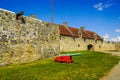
(73, 32)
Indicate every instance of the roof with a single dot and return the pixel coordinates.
(68, 31)
(90, 35)
(73, 32)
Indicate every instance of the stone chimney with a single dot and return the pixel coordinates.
(33, 16)
(80, 31)
(95, 36)
(65, 24)
(82, 27)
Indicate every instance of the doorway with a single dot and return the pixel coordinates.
(90, 47)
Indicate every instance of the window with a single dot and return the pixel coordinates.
(74, 38)
(60, 37)
(78, 45)
(101, 41)
(84, 39)
(95, 41)
(99, 46)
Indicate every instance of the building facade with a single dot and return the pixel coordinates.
(74, 39)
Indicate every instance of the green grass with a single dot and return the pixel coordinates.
(89, 66)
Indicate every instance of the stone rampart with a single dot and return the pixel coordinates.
(25, 42)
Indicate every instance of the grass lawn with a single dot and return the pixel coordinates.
(89, 66)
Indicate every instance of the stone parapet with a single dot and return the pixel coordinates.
(25, 42)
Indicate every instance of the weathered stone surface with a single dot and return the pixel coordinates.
(77, 44)
(117, 46)
(20, 42)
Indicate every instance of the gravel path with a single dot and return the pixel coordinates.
(114, 74)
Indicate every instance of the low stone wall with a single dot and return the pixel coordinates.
(25, 42)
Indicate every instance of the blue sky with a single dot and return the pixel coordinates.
(100, 16)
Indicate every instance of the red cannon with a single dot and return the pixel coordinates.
(64, 59)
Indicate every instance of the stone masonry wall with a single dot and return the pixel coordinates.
(27, 42)
(117, 46)
(77, 44)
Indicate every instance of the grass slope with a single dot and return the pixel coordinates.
(89, 66)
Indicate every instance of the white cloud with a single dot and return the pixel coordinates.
(100, 6)
(116, 39)
(106, 36)
(107, 5)
(117, 30)
(100, 9)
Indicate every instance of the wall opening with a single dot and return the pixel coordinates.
(90, 47)
(78, 45)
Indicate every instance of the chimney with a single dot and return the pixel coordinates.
(65, 24)
(33, 16)
(82, 28)
(95, 36)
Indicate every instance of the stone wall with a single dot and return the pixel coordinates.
(117, 46)
(25, 42)
(77, 44)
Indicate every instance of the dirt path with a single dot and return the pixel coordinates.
(114, 74)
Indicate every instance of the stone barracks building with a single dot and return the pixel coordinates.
(74, 39)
